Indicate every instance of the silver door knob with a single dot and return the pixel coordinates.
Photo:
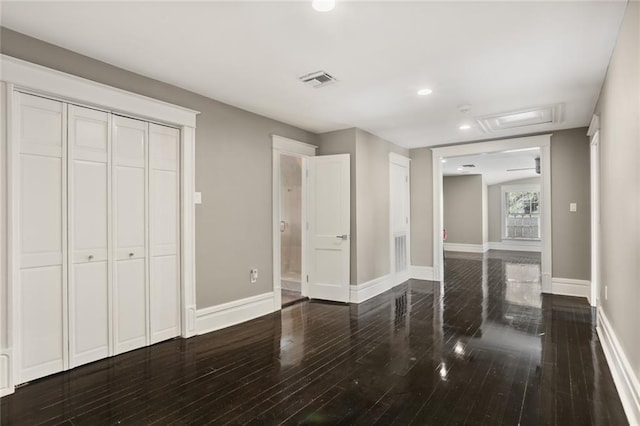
(90, 257)
(343, 236)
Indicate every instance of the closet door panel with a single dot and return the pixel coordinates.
(164, 237)
(89, 292)
(165, 298)
(164, 213)
(130, 311)
(130, 212)
(41, 126)
(131, 303)
(41, 322)
(89, 209)
(91, 313)
(41, 210)
(42, 288)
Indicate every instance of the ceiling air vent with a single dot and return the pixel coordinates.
(318, 79)
(468, 165)
(549, 114)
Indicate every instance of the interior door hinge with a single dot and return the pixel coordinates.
(307, 278)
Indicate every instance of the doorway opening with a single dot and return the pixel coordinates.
(517, 188)
(291, 229)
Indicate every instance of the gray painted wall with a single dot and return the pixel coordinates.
(494, 209)
(372, 191)
(233, 171)
(462, 209)
(421, 207)
(619, 111)
(571, 242)
(344, 142)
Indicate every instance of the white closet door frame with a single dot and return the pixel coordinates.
(31, 78)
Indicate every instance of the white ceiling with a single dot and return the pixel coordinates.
(496, 56)
(494, 166)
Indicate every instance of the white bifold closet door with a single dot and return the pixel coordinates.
(131, 281)
(164, 236)
(89, 270)
(41, 327)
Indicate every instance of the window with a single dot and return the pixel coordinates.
(521, 212)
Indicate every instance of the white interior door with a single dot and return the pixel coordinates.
(89, 265)
(329, 227)
(164, 237)
(41, 293)
(399, 212)
(129, 145)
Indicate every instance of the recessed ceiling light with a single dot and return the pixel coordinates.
(460, 169)
(464, 127)
(425, 92)
(444, 160)
(323, 5)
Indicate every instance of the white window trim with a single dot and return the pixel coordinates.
(35, 79)
(533, 187)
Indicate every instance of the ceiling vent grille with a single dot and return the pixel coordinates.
(318, 79)
(550, 114)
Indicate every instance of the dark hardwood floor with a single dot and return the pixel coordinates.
(484, 349)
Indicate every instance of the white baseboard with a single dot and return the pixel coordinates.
(228, 314)
(570, 287)
(516, 246)
(6, 382)
(422, 273)
(468, 248)
(626, 381)
(365, 291)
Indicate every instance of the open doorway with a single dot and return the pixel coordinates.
(518, 184)
(290, 229)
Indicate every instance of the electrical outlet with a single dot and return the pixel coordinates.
(254, 275)
(606, 292)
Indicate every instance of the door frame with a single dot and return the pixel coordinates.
(594, 157)
(285, 146)
(402, 161)
(540, 141)
(23, 76)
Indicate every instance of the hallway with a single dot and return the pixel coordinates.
(485, 349)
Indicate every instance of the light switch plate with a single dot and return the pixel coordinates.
(197, 198)
(573, 207)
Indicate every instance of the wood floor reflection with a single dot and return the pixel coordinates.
(484, 348)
